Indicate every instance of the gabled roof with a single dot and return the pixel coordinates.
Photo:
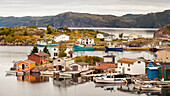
(127, 60)
(42, 54)
(27, 61)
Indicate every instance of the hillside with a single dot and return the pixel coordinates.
(72, 19)
(163, 32)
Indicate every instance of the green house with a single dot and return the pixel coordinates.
(164, 72)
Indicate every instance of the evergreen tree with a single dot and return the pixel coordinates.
(49, 30)
(62, 48)
(34, 50)
(45, 50)
(25, 33)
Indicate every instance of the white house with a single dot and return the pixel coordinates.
(134, 36)
(131, 66)
(61, 37)
(106, 36)
(63, 64)
(79, 66)
(86, 40)
(54, 51)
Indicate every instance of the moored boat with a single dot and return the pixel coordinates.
(150, 88)
(13, 72)
(80, 48)
(48, 72)
(48, 45)
(111, 79)
(65, 74)
(120, 49)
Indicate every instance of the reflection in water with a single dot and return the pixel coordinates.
(33, 78)
(64, 82)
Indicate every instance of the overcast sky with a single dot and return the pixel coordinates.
(53, 7)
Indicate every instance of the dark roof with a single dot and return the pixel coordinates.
(41, 54)
(160, 64)
(44, 39)
(106, 34)
(109, 56)
(82, 63)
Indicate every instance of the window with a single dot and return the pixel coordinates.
(99, 64)
(121, 64)
(128, 65)
(139, 62)
(55, 54)
(119, 67)
(54, 49)
(128, 69)
(42, 57)
(59, 60)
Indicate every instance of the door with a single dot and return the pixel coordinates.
(23, 66)
(60, 67)
(75, 68)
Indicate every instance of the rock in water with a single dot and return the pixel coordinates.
(163, 33)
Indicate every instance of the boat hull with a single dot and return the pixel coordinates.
(79, 48)
(113, 49)
(48, 45)
(150, 89)
(109, 81)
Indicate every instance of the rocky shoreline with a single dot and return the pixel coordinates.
(6, 43)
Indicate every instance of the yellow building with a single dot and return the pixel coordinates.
(25, 65)
(164, 55)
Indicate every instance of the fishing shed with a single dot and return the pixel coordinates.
(152, 72)
(25, 65)
(164, 73)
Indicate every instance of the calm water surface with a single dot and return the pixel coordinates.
(34, 85)
(145, 32)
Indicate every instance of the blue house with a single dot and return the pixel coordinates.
(152, 72)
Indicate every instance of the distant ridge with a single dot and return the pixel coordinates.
(74, 19)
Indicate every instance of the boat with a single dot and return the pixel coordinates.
(80, 48)
(48, 45)
(45, 42)
(48, 72)
(111, 79)
(150, 88)
(120, 49)
(13, 72)
(65, 74)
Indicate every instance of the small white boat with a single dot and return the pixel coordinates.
(112, 79)
(150, 88)
(11, 72)
(65, 74)
(48, 72)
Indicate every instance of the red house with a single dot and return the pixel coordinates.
(109, 62)
(39, 57)
(104, 65)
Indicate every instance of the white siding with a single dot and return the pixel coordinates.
(135, 69)
(61, 38)
(100, 36)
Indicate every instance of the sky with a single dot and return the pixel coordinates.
(19, 8)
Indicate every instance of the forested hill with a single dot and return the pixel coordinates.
(73, 19)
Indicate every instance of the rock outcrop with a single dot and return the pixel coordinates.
(163, 33)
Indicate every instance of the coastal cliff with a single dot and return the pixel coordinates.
(163, 33)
